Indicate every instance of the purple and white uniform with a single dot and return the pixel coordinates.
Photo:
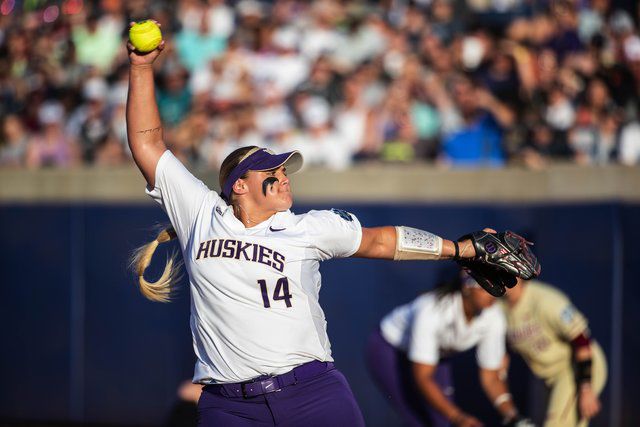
(429, 328)
(426, 331)
(254, 291)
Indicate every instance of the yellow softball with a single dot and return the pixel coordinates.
(145, 36)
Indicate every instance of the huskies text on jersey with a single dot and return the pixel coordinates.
(231, 248)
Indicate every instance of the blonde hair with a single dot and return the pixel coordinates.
(161, 289)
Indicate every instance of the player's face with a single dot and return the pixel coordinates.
(269, 193)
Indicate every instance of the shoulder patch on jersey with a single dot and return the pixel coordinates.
(218, 210)
(567, 314)
(342, 214)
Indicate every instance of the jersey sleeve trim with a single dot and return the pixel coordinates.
(155, 192)
(357, 241)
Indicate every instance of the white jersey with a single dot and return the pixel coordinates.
(254, 291)
(429, 328)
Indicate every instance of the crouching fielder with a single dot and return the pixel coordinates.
(553, 338)
(408, 355)
(258, 330)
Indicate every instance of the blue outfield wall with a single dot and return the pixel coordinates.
(79, 343)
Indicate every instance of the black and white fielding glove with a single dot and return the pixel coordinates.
(500, 259)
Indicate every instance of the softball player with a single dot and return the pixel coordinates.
(258, 330)
(553, 338)
(408, 355)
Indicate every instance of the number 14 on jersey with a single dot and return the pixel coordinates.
(281, 292)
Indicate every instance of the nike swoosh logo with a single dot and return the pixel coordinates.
(274, 230)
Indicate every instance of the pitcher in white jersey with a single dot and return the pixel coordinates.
(259, 332)
(408, 356)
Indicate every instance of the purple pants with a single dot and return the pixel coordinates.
(392, 372)
(324, 400)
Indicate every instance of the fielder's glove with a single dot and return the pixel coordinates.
(500, 259)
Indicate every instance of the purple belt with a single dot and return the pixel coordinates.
(270, 384)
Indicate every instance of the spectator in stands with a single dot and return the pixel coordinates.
(196, 47)
(322, 81)
(575, 66)
(320, 144)
(52, 147)
(352, 117)
(110, 152)
(444, 26)
(630, 144)
(396, 126)
(91, 122)
(544, 145)
(221, 19)
(13, 148)
(565, 40)
(174, 95)
(96, 35)
(473, 125)
(594, 138)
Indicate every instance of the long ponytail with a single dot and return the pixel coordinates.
(161, 289)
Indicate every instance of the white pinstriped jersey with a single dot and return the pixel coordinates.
(254, 291)
(429, 328)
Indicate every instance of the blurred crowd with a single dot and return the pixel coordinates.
(471, 83)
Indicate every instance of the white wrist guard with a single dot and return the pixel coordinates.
(414, 244)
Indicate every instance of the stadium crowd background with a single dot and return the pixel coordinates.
(456, 82)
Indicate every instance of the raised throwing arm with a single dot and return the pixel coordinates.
(144, 128)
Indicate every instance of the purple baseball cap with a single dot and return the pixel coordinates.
(258, 160)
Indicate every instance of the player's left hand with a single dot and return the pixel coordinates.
(588, 402)
(499, 260)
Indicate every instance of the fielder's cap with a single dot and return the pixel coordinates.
(261, 159)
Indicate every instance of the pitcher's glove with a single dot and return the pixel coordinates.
(500, 259)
